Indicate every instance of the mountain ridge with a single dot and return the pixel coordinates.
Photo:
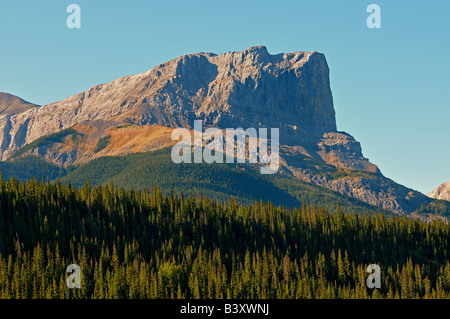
(11, 104)
(176, 87)
(249, 88)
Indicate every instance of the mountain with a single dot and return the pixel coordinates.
(11, 104)
(250, 88)
(441, 192)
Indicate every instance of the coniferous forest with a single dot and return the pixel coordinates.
(143, 244)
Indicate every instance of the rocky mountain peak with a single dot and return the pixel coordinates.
(11, 104)
(441, 192)
(250, 88)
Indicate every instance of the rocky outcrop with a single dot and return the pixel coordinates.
(441, 192)
(355, 178)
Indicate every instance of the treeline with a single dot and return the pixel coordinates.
(216, 181)
(142, 244)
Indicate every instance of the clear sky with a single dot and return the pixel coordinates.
(391, 85)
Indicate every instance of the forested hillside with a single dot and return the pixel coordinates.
(221, 182)
(141, 244)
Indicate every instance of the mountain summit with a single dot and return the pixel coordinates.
(11, 104)
(441, 192)
(250, 88)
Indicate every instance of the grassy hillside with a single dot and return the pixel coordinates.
(48, 141)
(217, 181)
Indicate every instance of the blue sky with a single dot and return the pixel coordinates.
(390, 85)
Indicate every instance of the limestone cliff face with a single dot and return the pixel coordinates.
(10, 106)
(441, 192)
(251, 88)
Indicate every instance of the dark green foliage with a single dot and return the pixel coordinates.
(102, 143)
(25, 168)
(123, 126)
(141, 244)
(435, 208)
(217, 181)
(340, 173)
(48, 140)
